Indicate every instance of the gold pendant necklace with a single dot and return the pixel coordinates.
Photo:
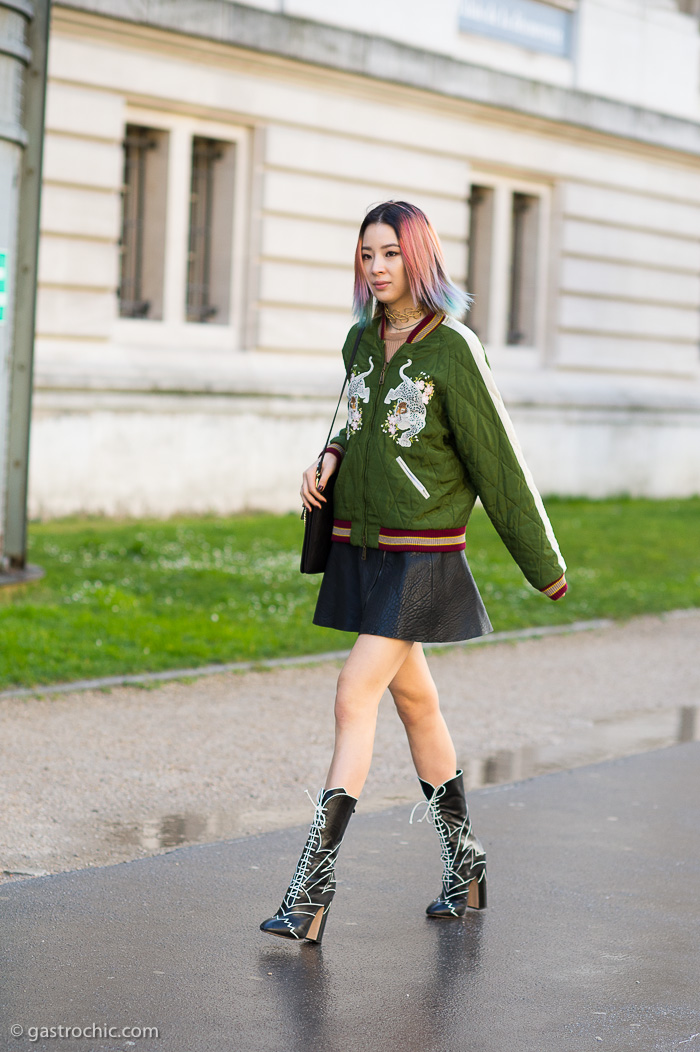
(395, 317)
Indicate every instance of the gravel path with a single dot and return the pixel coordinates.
(96, 777)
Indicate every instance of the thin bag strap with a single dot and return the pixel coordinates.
(347, 377)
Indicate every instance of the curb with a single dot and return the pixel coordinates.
(306, 659)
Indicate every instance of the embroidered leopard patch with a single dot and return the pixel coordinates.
(411, 397)
(358, 391)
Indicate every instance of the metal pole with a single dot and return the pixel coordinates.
(22, 356)
(14, 54)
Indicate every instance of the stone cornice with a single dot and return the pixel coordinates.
(350, 52)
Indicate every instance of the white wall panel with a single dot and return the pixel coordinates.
(77, 109)
(79, 211)
(68, 312)
(613, 242)
(604, 454)
(303, 330)
(193, 461)
(348, 158)
(82, 162)
(599, 315)
(335, 199)
(69, 261)
(630, 282)
(608, 354)
(627, 209)
(305, 285)
(308, 242)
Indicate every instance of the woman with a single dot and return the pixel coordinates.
(427, 433)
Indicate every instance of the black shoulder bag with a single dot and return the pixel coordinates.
(318, 523)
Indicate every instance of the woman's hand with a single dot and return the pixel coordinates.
(310, 495)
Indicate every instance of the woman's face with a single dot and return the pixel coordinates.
(383, 265)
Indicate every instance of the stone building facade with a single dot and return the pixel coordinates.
(206, 168)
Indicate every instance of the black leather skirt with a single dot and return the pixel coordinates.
(426, 597)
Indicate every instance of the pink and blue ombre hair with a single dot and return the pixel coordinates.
(423, 259)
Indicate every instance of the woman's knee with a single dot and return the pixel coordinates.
(353, 705)
(414, 708)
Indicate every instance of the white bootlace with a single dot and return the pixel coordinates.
(432, 813)
(313, 842)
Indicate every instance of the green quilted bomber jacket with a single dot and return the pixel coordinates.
(426, 435)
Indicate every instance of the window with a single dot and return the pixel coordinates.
(506, 270)
(143, 223)
(479, 270)
(183, 251)
(523, 269)
(211, 218)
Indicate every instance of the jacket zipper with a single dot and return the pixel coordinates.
(364, 473)
(385, 366)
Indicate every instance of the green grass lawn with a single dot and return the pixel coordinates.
(121, 597)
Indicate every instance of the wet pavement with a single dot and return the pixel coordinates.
(591, 939)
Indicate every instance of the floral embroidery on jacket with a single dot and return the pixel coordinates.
(407, 419)
(358, 391)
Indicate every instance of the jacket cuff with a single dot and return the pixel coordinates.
(557, 589)
(336, 450)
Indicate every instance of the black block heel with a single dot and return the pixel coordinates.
(476, 897)
(318, 926)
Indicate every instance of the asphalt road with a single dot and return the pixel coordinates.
(591, 939)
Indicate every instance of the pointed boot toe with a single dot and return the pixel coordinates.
(442, 908)
(308, 925)
(279, 926)
(454, 905)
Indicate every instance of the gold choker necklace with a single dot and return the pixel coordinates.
(396, 317)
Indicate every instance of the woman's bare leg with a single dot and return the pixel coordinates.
(371, 666)
(416, 698)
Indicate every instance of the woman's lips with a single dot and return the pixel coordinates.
(380, 285)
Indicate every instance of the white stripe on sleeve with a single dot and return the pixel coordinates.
(477, 351)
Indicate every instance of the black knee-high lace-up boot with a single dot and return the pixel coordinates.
(464, 876)
(305, 906)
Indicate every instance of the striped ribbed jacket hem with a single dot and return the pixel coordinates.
(453, 540)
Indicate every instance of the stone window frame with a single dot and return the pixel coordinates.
(499, 254)
(173, 331)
